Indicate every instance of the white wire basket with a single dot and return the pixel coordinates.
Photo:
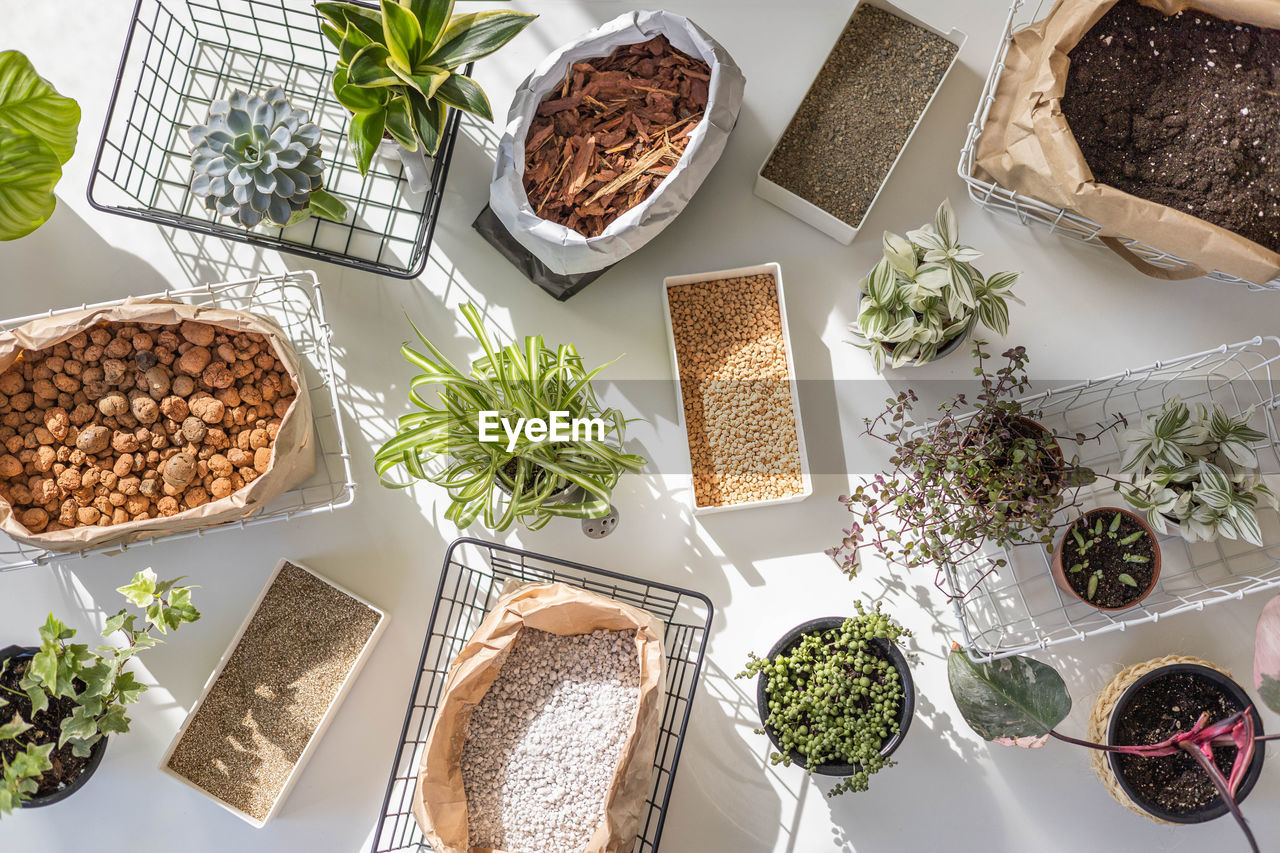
(294, 302)
(992, 196)
(1020, 609)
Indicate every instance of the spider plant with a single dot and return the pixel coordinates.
(516, 478)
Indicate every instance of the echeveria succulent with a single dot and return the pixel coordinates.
(258, 158)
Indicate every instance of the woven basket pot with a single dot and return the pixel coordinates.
(1100, 719)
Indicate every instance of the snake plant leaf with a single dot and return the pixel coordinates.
(429, 119)
(365, 135)
(369, 67)
(425, 79)
(476, 34)
(465, 94)
(359, 99)
(1266, 655)
(29, 170)
(432, 16)
(28, 102)
(344, 15)
(400, 122)
(401, 33)
(1015, 701)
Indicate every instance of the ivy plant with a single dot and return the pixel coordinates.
(94, 681)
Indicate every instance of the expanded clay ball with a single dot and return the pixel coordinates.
(735, 389)
(543, 744)
(100, 429)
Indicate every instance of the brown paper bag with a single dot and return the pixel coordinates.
(440, 802)
(1027, 146)
(293, 457)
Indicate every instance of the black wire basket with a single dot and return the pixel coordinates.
(179, 56)
(472, 579)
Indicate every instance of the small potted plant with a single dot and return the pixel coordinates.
(1174, 738)
(992, 475)
(1109, 558)
(397, 72)
(494, 469)
(256, 159)
(1201, 474)
(835, 696)
(924, 297)
(60, 702)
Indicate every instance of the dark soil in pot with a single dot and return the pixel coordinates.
(1108, 555)
(1155, 708)
(1181, 110)
(1002, 438)
(69, 772)
(883, 649)
(859, 111)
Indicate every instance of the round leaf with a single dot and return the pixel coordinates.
(28, 102)
(29, 170)
(1012, 698)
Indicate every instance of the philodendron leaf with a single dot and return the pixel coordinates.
(1266, 655)
(29, 170)
(1015, 701)
(28, 102)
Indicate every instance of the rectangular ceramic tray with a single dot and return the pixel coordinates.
(807, 211)
(774, 270)
(324, 722)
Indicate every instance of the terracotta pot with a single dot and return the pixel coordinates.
(1059, 570)
(889, 650)
(95, 754)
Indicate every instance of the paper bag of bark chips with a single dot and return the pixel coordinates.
(553, 95)
(143, 418)
(545, 736)
(1028, 145)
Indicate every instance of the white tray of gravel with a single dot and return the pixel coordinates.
(546, 734)
(736, 393)
(274, 692)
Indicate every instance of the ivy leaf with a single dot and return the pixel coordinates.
(1266, 655)
(114, 721)
(14, 727)
(43, 669)
(114, 623)
(1007, 699)
(81, 725)
(38, 698)
(141, 590)
(128, 690)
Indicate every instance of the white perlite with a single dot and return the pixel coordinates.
(545, 740)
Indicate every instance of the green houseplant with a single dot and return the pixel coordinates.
(973, 477)
(38, 129)
(1200, 473)
(835, 696)
(61, 701)
(473, 437)
(925, 296)
(397, 68)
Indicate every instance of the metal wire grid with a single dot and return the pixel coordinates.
(1020, 608)
(179, 56)
(294, 302)
(992, 196)
(472, 579)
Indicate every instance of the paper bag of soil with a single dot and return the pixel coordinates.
(293, 457)
(440, 801)
(563, 250)
(1028, 146)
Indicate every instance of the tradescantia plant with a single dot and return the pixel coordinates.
(1200, 473)
(473, 436)
(90, 686)
(397, 68)
(925, 293)
(1018, 702)
(974, 477)
(257, 158)
(38, 129)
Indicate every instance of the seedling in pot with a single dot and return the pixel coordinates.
(1099, 546)
(68, 699)
(1018, 701)
(975, 477)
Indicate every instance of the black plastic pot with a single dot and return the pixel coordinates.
(889, 650)
(95, 755)
(1237, 694)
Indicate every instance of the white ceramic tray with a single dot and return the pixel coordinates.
(774, 270)
(320, 729)
(807, 211)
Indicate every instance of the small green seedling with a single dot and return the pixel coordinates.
(1092, 536)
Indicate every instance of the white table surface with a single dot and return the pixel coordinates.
(1087, 315)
